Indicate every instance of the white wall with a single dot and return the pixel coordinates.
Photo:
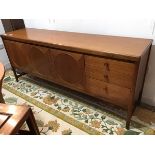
(3, 56)
(143, 28)
(128, 27)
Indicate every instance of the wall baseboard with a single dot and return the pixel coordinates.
(148, 101)
(1, 46)
(7, 66)
(147, 106)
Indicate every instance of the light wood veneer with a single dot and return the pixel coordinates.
(110, 68)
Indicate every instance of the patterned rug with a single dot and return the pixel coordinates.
(58, 113)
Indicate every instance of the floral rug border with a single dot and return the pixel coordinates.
(80, 100)
(54, 112)
(61, 115)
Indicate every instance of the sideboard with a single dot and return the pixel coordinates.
(110, 68)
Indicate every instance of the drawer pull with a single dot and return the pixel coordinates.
(106, 77)
(106, 65)
(106, 89)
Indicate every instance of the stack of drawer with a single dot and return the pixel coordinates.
(109, 79)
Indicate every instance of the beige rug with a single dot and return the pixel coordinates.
(58, 112)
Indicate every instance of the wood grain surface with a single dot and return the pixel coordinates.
(113, 46)
(110, 68)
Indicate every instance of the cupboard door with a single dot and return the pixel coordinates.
(41, 61)
(69, 68)
(30, 58)
(18, 54)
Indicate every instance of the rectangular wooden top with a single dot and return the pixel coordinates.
(11, 117)
(109, 46)
(3, 118)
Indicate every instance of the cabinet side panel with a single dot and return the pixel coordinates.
(141, 74)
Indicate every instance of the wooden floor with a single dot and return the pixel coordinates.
(145, 115)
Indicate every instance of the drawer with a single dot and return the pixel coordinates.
(118, 95)
(110, 71)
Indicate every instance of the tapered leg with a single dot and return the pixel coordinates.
(1, 98)
(1, 95)
(129, 115)
(32, 124)
(15, 74)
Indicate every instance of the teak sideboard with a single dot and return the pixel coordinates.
(110, 68)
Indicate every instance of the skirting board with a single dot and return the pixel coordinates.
(7, 66)
(1, 46)
(148, 101)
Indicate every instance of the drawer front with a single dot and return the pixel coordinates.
(110, 71)
(115, 94)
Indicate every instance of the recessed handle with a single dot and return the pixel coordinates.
(106, 65)
(106, 89)
(106, 77)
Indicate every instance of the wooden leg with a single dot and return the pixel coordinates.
(129, 115)
(1, 98)
(1, 95)
(14, 72)
(32, 124)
